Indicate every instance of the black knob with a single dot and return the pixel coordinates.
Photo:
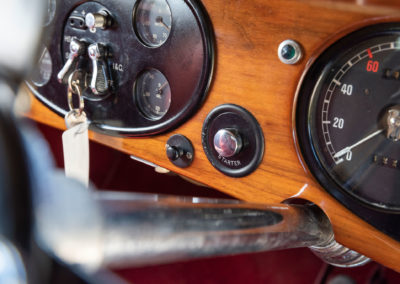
(180, 151)
(174, 153)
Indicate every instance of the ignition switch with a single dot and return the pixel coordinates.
(100, 75)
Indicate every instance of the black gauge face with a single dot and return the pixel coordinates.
(42, 73)
(153, 20)
(153, 94)
(353, 117)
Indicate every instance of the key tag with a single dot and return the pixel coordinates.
(76, 138)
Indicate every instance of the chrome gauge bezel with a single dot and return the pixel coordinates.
(43, 79)
(136, 24)
(382, 217)
(146, 107)
(50, 12)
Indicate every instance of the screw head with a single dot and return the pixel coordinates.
(189, 155)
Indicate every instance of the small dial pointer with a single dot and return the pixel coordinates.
(160, 21)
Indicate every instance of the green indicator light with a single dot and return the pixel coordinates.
(288, 52)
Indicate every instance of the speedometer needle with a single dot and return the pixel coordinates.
(348, 149)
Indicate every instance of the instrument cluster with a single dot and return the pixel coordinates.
(144, 67)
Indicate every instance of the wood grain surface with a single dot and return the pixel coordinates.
(249, 73)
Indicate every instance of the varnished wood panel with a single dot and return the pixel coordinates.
(249, 73)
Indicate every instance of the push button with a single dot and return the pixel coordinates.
(233, 140)
(227, 142)
(98, 20)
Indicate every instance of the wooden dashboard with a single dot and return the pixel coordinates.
(249, 73)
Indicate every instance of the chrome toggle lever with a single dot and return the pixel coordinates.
(77, 48)
(100, 75)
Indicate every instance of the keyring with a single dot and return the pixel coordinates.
(73, 88)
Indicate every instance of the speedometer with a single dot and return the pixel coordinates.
(348, 117)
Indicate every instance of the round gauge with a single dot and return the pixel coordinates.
(152, 94)
(349, 116)
(42, 73)
(152, 21)
(50, 12)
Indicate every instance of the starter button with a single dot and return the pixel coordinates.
(227, 142)
(233, 140)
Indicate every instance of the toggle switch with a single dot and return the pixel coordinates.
(77, 48)
(100, 72)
